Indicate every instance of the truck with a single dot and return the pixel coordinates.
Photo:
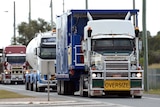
(98, 53)
(13, 59)
(1, 64)
(41, 62)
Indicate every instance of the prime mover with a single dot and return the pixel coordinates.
(98, 53)
(13, 59)
(41, 61)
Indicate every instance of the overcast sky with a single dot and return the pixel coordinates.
(41, 9)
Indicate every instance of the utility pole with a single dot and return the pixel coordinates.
(51, 6)
(63, 6)
(134, 15)
(48, 82)
(86, 4)
(14, 22)
(145, 44)
(29, 18)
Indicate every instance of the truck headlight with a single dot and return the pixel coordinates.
(27, 72)
(139, 74)
(133, 74)
(136, 74)
(98, 74)
(6, 72)
(93, 75)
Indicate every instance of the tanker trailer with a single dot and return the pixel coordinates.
(40, 62)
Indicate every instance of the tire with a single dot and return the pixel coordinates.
(81, 87)
(58, 87)
(31, 86)
(35, 87)
(41, 89)
(138, 97)
(26, 85)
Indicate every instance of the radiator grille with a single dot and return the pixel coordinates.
(116, 66)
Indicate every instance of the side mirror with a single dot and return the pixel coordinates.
(89, 31)
(137, 32)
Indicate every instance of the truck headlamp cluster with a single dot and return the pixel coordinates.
(6, 72)
(94, 75)
(97, 65)
(138, 74)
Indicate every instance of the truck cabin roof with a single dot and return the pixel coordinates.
(104, 14)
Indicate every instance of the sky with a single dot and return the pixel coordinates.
(41, 9)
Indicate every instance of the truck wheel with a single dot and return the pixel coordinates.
(71, 88)
(81, 87)
(26, 85)
(41, 89)
(35, 87)
(58, 87)
(89, 92)
(68, 88)
(31, 86)
(137, 96)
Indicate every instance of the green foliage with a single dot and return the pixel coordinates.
(27, 31)
(141, 61)
(153, 48)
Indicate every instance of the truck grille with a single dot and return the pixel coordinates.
(116, 66)
(117, 74)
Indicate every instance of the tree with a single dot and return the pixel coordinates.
(27, 31)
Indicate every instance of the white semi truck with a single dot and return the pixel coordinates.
(98, 53)
(41, 60)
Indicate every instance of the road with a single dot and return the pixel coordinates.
(76, 101)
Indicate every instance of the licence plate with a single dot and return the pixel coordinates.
(116, 85)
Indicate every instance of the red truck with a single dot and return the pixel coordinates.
(13, 58)
(1, 64)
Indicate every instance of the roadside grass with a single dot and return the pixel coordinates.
(4, 94)
(153, 91)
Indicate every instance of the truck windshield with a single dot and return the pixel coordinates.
(16, 59)
(112, 45)
(48, 53)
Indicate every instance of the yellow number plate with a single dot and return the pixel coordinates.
(116, 85)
